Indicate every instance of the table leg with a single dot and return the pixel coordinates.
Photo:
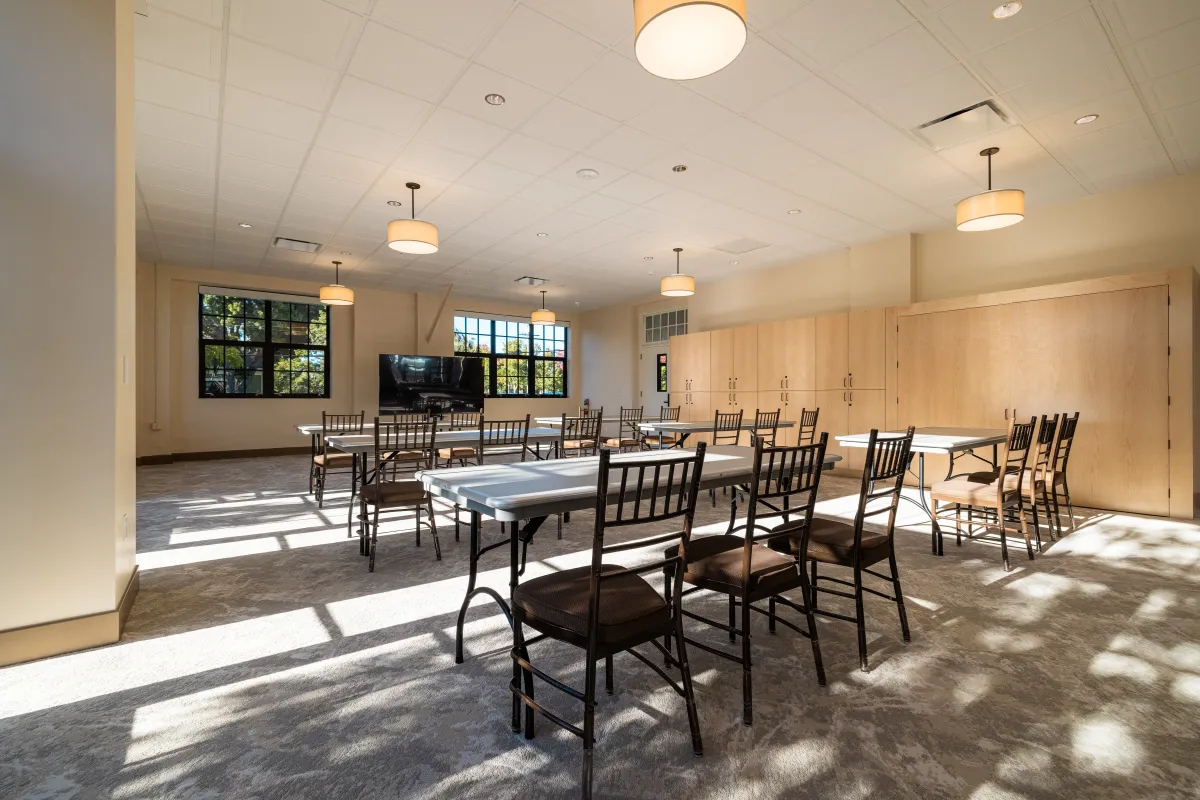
(311, 456)
(920, 502)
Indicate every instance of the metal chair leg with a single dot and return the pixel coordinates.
(747, 680)
(689, 694)
(608, 674)
(861, 620)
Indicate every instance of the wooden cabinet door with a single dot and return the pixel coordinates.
(1105, 356)
(772, 354)
(865, 343)
(865, 412)
(834, 418)
(745, 359)
(698, 408)
(688, 370)
(679, 355)
(769, 400)
(831, 346)
(800, 370)
(721, 355)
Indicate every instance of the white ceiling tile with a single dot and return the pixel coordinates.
(931, 97)
(568, 173)
(371, 104)
(971, 21)
(187, 179)
(606, 23)
(567, 125)
(254, 193)
(759, 73)
(831, 30)
(405, 64)
(247, 143)
(261, 113)
(755, 150)
(1171, 50)
(181, 91)
(628, 148)
(343, 166)
(1145, 17)
(372, 144)
(434, 160)
(845, 132)
(1076, 42)
(460, 205)
(460, 26)
(634, 188)
(539, 51)
(551, 194)
(1114, 109)
(900, 59)
(1016, 148)
(510, 216)
(193, 215)
(169, 226)
(808, 105)
(520, 99)
(681, 116)
(1115, 140)
(260, 69)
(320, 205)
(179, 43)
(307, 227)
(601, 207)
(617, 88)
(336, 190)
(257, 215)
(167, 123)
(175, 154)
(262, 173)
(528, 155)
(461, 133)
(1184, 119)
(1061, 89)
(312, 30)
(496, 178)
(165, 195)
(1144, 174)
(210, 12)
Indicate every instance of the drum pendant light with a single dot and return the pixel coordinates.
(677, 285)
(542, 316)
(413, 235)
(686, 39)
(337, 295)
(995, 208)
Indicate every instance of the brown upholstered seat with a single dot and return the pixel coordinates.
(628, 605)
(978, 487)
(666, 439)
(456, 452)
(333, 460)
(832, 542)
(718, 559)
(578, 444)
(400, 456)
(621, 442)
(397, 493)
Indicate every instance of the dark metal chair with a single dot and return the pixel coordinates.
(398, 443)
(497, 437)
(1000, 494)
(579, 436)
(766, 427)
(726, 430)
(606, 608)
(660, 440)
(1057, 476)
(628, 433)
(461, 421)
(1036, 477)
(851, 546)
(328, 462)
(782, 494)
(808, 425)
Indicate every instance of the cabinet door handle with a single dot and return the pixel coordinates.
(851, 380)
(843, 381)
(781, 384)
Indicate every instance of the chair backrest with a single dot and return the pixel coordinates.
(464, 420)
(582, 430)
(808, 425)
(727, 428)
(784, 489)
(334, 424)
(397, 442)
(503, 436)
(1014, 454)
(1063, 442)
(648, 492)
(884, 467)
(407, 416)
(669, 413)
(1046, 436)
(766, 426)
(631, 418)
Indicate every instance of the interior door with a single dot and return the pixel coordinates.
(832, 352)
(649, 396)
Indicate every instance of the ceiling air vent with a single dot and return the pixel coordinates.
(963, 125)
(531, 281)
(297, 244)
(741, 246)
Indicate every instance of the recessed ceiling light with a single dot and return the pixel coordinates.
(679, 168)
(734, 263)
(1006, 10)
(394, 203)
(543, 235)
(1086, 118)
(245, 225)
(587, 173)
(647, 258)
(794, 211)
(347, 253)
(494, 99)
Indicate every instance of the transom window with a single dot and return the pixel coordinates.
(519, 359)
(254, 347)
(661, 327)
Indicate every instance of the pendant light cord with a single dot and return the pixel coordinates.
(337, 273)
(543, 299)
(678, 250)
(989, 172)
(412, 192)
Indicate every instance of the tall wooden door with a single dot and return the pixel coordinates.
(800, 373)
(831, 345)
(689, 369)
(680, 349)
(865, 344)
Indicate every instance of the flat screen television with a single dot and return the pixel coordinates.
(440, 384)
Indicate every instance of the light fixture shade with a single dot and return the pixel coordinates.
(543, 316)
(337, 295)
(686, 39)
(677, 286)
(413, 236)
(987, 211)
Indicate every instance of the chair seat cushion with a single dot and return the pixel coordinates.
(832, 542)
(620, 442)
(400, 456)
(975, 488)
(394, 493)
(328, 460)
(456, 452)
(719, 559)
(579, 444)
(629, 607)
(665, 439)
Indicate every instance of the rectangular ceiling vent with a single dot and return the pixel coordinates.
(740, 247)
(963, 125)
(531, 281)
(297, 244)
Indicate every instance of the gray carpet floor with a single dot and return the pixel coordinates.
(263, 661)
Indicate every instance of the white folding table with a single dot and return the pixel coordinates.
(953, 442)
(684, 429)
(526, 493)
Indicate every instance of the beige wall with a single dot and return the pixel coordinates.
(173, 418)
(66, 334)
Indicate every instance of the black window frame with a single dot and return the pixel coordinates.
(660, 370)
(269, 348)
(491, 358)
